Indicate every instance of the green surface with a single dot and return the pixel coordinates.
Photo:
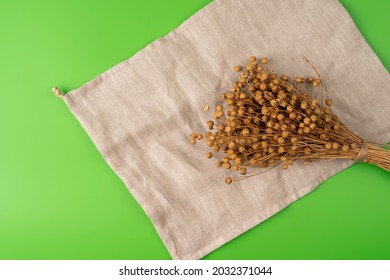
(60, 200)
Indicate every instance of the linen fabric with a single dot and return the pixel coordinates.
(139, 113)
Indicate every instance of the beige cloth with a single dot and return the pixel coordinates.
(139, 113)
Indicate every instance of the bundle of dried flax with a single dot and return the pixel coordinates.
(271, 120)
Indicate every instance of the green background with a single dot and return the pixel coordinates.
(60, 200)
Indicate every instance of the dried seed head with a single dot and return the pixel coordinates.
(306, 129)
(310, 79)
(237, 68)
(209, 155)
(264, 60)
(345, 148)
(216, 148)
(228, 180)
(316, 83)
(210, 124)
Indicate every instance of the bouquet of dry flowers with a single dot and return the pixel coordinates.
(267, 120)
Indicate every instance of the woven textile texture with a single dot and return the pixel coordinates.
(139, 113)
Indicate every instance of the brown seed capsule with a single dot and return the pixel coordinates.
(235, 167)
(285, 78)
(199, 136)
(219, 163)
(209, 155)
(264, 60)
(285, 134)
(226, 165)
(233, 156)
(335, 145)
(193, 141)
(252, 59)
(243, 170)
(292, 115)
(238, 160)
(193, 135)
(310, 79)
(228, 180)
(345, 148)
(264, 77)
(218, 115)
(237, 68)
(280, 140)
(205, 108)
(284, 166)
(219, 108)
(300, 80)
(216, 148)
(316, 83)
(328, 102)
(328, 146)
(245, 132)
(353, 146)
(327, 110)
(280, 117)
(305, 162)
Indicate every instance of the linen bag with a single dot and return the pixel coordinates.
(139, 113)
